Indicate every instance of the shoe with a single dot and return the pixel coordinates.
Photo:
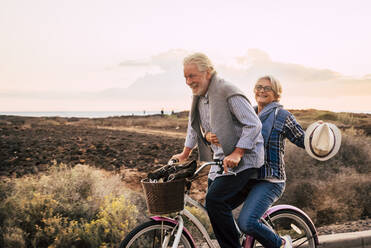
(288, 241)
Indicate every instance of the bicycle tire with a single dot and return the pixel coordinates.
(293, 223)
(151, 233)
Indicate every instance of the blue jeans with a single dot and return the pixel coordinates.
(228, 192)
(261, 196)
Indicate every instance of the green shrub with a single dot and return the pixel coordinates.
(327, 117)
(66, 207)
(336, 190)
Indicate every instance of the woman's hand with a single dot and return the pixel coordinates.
(233, 159)
(211, 138)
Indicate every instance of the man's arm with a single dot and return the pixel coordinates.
(189, 144)
(251, 130)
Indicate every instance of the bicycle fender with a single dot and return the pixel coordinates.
(290, 207)
(165, 219)
(283, 207)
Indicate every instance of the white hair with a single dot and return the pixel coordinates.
(202, 62)
(276, 85)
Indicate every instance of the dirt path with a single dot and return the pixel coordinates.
(146, 131)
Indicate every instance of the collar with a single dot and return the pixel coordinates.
(205, 98)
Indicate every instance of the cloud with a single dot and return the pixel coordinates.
(254, 56)
(297, 80)
(135, 63)
(303, 87)
(167, 60)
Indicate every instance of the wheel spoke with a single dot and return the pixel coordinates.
(154, 234)
(306, 239)
(292, 223)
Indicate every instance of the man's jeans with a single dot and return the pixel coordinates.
(228, 192)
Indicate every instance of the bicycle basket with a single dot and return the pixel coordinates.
(164, 198)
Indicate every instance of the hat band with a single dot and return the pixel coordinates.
(311, 148)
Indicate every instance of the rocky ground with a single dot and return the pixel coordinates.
(31, 147)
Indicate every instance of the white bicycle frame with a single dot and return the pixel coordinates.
(178, 220)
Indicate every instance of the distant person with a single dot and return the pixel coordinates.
(223, 109)
(162, 111)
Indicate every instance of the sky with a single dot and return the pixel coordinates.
(113, 55)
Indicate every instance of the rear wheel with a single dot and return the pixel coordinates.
(152, 234)
(289, 222)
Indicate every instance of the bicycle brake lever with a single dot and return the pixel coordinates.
(220, 164)
(231, 172)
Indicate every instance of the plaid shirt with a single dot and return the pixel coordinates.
(274, 166)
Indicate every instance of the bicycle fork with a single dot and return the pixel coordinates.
(179, 229)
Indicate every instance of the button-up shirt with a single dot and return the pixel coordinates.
(245, 114)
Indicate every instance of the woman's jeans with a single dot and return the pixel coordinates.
(228, 192)
(261, 196)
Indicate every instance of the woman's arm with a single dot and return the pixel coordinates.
(293, 131)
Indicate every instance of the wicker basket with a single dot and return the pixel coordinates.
(164, 198)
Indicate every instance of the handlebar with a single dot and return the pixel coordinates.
(173, 161)
(216, 162)
(173, 170)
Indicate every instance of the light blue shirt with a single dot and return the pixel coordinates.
(250, 139)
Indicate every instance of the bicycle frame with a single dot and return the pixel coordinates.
(248, 240)
(192, 218)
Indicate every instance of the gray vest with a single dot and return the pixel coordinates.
(221, 118)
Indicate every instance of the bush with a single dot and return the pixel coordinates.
(336, 190)
(78, 207)
(327, 117)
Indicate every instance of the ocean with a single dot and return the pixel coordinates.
(87, 114)
(93, 114)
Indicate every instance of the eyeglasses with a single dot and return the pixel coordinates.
(261, 87)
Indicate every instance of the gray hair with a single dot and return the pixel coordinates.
(276, 85)
(202, 62)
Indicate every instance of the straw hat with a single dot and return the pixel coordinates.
(322, 140)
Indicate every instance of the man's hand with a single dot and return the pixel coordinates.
(182, 157)
(211, 138)
(233, 159)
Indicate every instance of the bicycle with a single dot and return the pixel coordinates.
(162, 231)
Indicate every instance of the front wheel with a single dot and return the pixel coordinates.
(152, 234)
(289, 222)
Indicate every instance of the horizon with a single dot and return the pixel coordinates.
(117, 55)
(105, 114)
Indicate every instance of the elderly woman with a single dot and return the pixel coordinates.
(278, 124)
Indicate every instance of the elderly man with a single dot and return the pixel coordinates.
(222, 111)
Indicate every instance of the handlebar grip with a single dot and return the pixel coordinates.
(218, 162)
(173, 161)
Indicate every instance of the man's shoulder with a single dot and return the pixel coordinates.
(228, 89)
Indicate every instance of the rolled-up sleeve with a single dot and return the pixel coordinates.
(191, 138)
(251, 125)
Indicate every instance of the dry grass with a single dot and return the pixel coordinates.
(331, 191)
(66, 207)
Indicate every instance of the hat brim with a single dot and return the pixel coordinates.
(337, 137)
